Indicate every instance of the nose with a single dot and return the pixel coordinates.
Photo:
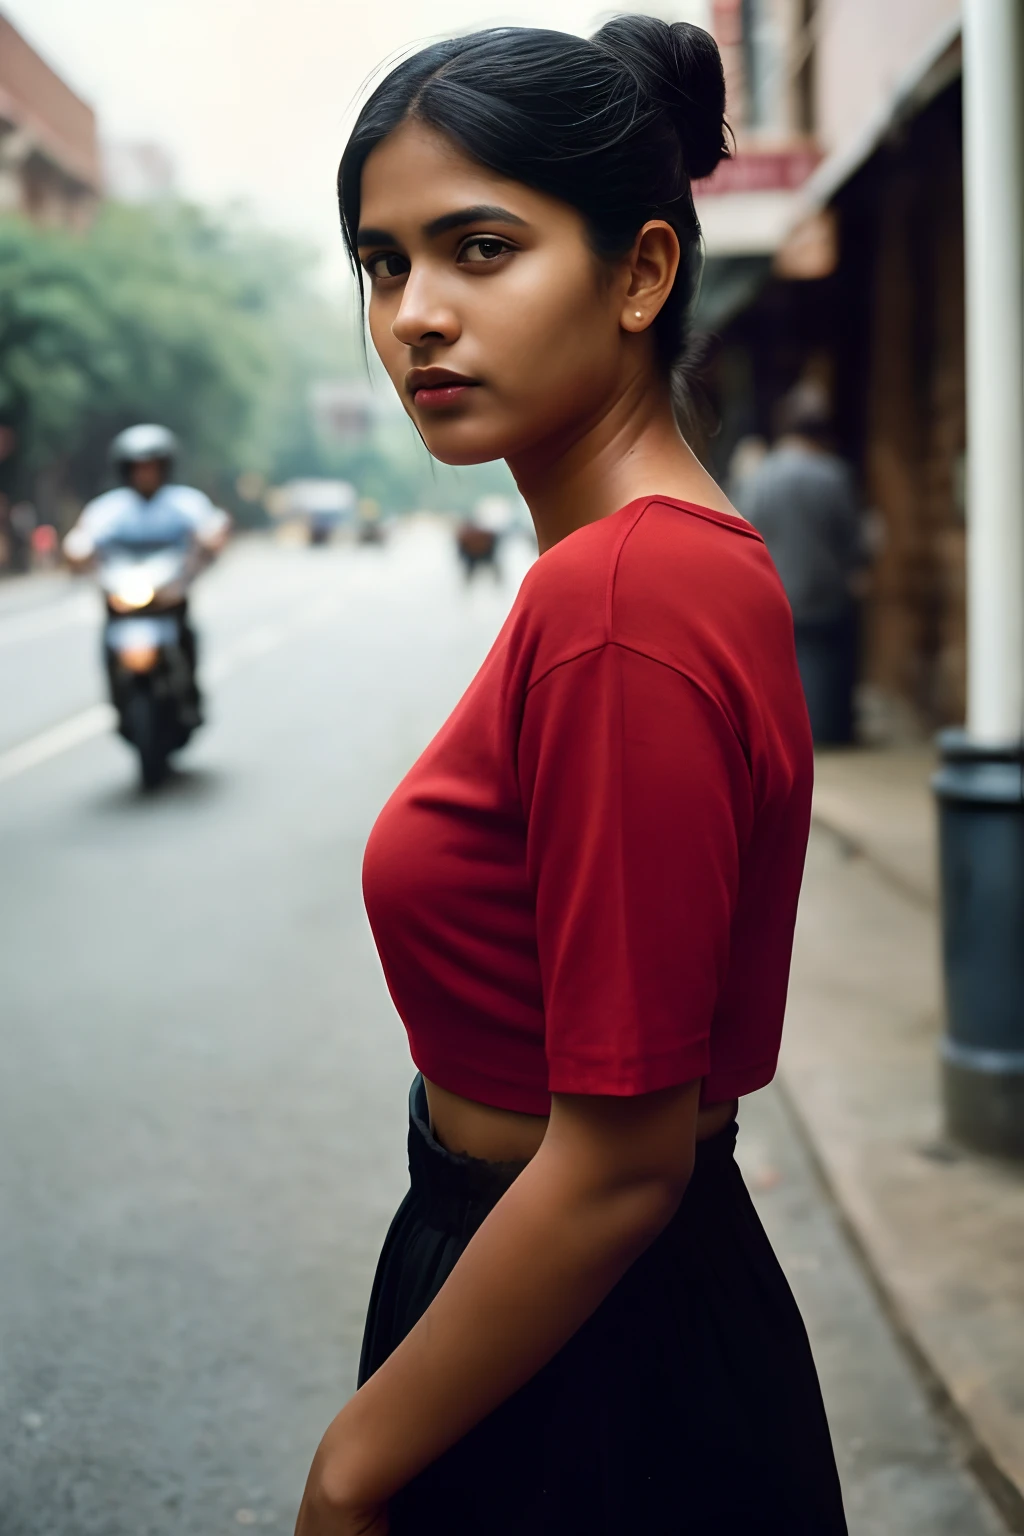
(423, 315)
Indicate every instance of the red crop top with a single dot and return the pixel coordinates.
(588, 882)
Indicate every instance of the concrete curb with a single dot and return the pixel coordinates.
(939, 1231)
(973, 1452)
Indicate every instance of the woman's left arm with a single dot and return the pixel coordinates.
(637, 793)
(607, 1179)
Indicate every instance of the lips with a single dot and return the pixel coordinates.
(435, 388)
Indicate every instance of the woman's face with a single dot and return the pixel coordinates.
(498, 327)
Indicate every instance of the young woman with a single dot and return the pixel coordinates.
(584, 892)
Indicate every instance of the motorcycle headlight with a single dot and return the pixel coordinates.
(136, 592)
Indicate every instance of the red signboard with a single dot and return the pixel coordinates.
(779, 170)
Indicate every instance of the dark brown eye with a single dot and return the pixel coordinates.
(387, 264)
(483, 248)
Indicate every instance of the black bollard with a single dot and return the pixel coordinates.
(980, 793)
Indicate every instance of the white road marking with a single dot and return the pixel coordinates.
(48, 618)
(59, 738)
(102, 717)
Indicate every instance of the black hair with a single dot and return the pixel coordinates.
(617, 125)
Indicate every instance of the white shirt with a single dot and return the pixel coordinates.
(176, 514)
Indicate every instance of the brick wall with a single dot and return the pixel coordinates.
(915, 426)
(33, 96)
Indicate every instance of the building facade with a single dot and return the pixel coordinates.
(855, 282)
(49, 154)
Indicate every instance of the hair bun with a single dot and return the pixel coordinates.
(679, 66)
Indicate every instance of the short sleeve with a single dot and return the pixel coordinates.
(206, 520)
(638, 805)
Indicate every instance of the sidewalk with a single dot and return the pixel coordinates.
(941, 1230)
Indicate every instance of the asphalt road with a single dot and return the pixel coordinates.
(202, 1096)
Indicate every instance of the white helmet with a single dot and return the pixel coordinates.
(137, 444)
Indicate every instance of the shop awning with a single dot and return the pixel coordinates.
(936, 67)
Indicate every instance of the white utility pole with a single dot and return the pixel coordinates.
(993, 43)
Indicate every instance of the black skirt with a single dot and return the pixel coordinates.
(687, 1405)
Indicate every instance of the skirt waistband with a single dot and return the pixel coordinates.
(456, 1191)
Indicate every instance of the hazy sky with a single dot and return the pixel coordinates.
(252, 98)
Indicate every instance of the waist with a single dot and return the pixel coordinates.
(501, 1135)
(455, 1191)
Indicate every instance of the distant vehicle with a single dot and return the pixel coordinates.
(323, 505)
(369, 527)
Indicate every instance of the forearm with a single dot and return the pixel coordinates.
(213, 536)
(541, 1263)
(78, 549)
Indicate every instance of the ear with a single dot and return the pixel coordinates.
(652, 266)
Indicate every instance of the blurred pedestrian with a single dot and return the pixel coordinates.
(22, 521)
(584, 891)
(475, 547)
(801, 499)
(45, 543)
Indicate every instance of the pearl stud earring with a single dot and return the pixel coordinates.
(638, 314)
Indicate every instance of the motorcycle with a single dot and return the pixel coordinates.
(149, 649)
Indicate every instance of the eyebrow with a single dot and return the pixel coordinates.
(474, 215)
(456, 220)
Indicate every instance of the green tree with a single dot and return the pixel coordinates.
(167, 314)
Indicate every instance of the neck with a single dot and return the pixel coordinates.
(632, 448)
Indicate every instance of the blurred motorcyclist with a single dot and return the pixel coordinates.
(148, 510)
(477, 537)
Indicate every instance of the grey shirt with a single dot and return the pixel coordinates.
(802, 502)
